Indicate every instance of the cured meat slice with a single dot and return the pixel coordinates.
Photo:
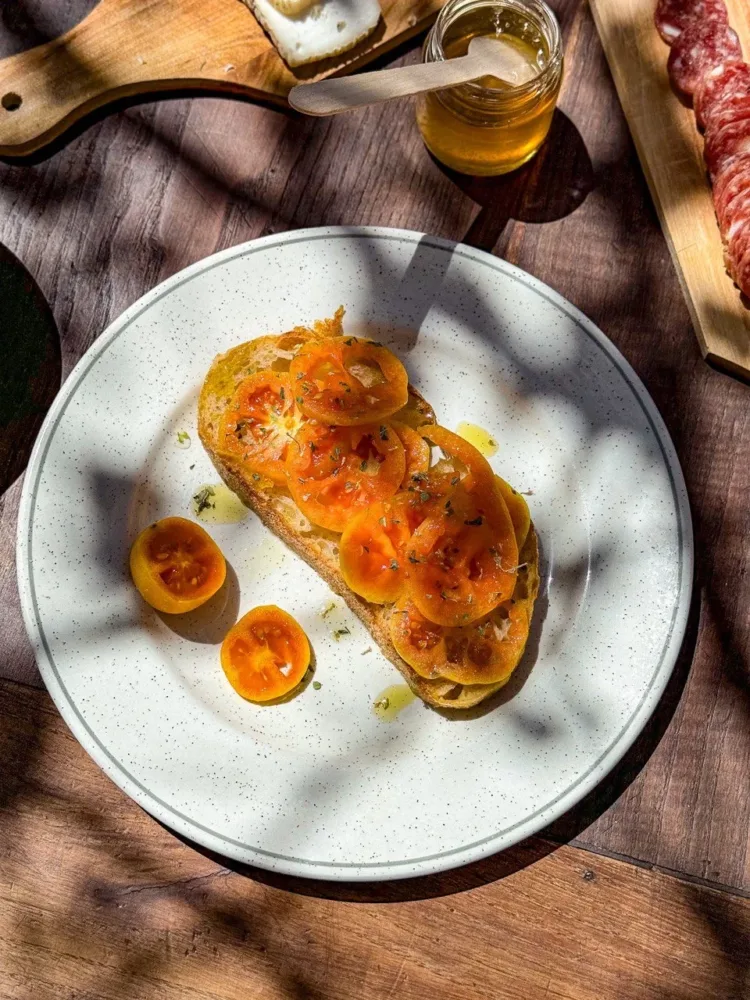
(673, 16)
(729, 185)
(737, 236)
(729, 174)
(740, 271)
(731, 109)
(724, 145)
(731, 207)
(701, 47)
(724, 83)
(737, 259)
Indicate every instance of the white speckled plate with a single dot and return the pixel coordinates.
(320, 786)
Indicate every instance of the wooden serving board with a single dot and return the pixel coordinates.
(129, 47)
(671, 153)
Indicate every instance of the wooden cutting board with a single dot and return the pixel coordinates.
(671, 153)
(129, 47)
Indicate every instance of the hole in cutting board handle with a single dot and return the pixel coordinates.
(11, 101)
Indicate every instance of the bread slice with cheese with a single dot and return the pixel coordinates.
(318, 547)
(305, 31)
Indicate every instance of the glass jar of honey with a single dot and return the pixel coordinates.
(491, 127)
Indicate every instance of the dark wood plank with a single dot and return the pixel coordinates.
(98, 901)
(146, 191)
(689, 809)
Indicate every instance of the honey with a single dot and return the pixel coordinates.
(491, 127)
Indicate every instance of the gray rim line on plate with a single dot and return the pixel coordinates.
(593, 334)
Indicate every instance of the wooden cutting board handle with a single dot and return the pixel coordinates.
(129, 47)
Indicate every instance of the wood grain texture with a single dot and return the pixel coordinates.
(129, 47)
(151, 189)
(688, 808)
(98, 901)
(671, 153)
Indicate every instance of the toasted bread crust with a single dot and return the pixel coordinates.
(319, 548)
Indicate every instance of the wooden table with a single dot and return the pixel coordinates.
(640, 892)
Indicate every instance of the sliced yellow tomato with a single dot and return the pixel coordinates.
(372, 551)
(260, 424)
(266, 654)
(458, 574)
(463, 560)
(176, 565)
(483, 652)
(427, 493)
(517, 508)
(417, 452)
(479, 470)
(335, 472)
(346, 381)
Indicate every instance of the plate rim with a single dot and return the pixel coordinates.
(361, 871)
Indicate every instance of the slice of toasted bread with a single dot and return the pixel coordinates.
(317, 546)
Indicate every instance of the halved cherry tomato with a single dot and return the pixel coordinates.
(417, 451)
(335, 472)
(463, 560)
(265, 655)
(517, 508)
(346, 381)
(484, 652)
(176, 565)
(260, 424)
(371, 551)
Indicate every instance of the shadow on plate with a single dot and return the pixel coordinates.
(520, 856)
(31, 365)
(211, 621)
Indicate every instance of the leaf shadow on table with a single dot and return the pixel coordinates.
(31, 365)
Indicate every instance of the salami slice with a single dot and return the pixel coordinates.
(730, 209)
(723, 146)
(673, 16)
(740, 271)
(724, 83)
(731, 109)
(730, 184)
(701, 48)
(737, 236)
(737, 260)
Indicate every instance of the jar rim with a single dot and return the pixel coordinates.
(539, 9)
